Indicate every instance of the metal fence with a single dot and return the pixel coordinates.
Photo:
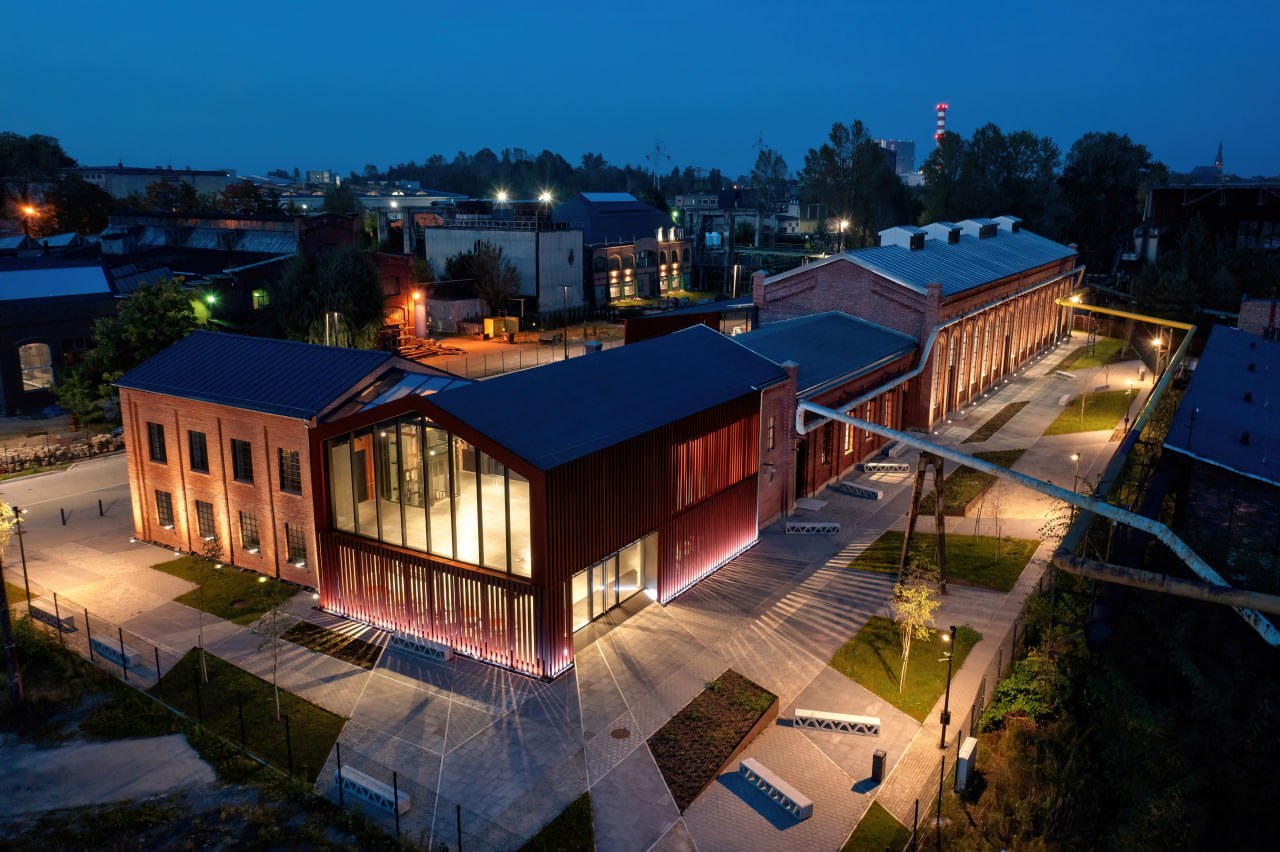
(516, 358)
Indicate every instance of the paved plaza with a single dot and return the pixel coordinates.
(497, 755)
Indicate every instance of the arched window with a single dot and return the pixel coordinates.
(662, 257)
(36, 364)
(614, 262)
(628, 261)
(685, 258)
(597, 264)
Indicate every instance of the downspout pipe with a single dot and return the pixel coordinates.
(802, 428)
(1083, 502)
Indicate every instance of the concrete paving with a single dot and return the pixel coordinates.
(39, 779)
(499, 755)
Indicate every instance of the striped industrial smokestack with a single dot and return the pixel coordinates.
(942, 124)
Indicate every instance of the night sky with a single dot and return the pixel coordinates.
(268, 84)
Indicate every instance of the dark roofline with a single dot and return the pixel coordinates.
(134, 170)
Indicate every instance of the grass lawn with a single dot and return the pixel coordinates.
(313, 729)
(964, 483)
(876, 832)
(238, 596)
(996, 421)
(873, 659)
(1106, 350)
(969, 560)
(695, 742)
(16, 594)
(1101, 411)
(340, 646)
(571, 831)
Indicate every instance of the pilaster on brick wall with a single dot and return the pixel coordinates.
(757, 287)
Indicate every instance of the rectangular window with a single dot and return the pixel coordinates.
(822, 444)
(848, 439)
(164, 509)
(773, 433)
(249, 532)
(155, 441)
(199, 449)
(242, 460)
(296, 539)
(204, 520)
(261, 298)
(290, 471)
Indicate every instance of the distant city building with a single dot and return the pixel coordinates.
(634, 249)
(121, 181)
(904, 152)
(320, 176)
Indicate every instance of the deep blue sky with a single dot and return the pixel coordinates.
(259, 85)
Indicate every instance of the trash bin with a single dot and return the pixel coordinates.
(592, 346)
(511, 337)
(877, 765)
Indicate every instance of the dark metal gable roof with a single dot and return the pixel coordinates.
(560, 412)
(283, 377)
(829, 347)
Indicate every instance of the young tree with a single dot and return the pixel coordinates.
(496, 278)
(270, 630)
(80, 394)
(913, 604)
(153, 318)
(342, 199)
(204, 572)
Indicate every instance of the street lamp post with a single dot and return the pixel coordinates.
(565, 287)
(946, 701)
(27, 212)
(22, 551)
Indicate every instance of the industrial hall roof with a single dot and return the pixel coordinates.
(48, 278)
(284, 377)
(554, 414)
(610, 217)
(830, 348)
(970, 262)
(1225, 417)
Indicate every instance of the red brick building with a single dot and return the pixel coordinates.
(216, 431)
(978, 296)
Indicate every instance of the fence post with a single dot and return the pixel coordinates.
(159, 688)
(337, 747)
(244, 746)
(58, 615)
(88, 633)
(915, 826)
(942, 774)
(124, 660)
(199, 702)
(459, 811)
(101, 513)
(288, 743)
(63, 513)
(395, 799)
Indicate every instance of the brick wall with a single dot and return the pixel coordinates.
(264, 499)
(777, 462)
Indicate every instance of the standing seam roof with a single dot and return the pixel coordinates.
(284, 377)
(964, 265)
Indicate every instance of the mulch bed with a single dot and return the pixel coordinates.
(695, 743)
(340, 646)
(996, 421)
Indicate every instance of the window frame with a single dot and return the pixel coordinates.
(156, 449)
(202, 455)
(203, 509)
(250, 535)
(295, 537)
(242, 468)
(290, 474)
(164, 509)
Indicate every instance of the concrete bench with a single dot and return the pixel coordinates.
(885, 467)
(895, 449)
(420, 647)
(366, 789)
(812, 528)
(1063, 374)
(854, 489)
(551, 339)
(843, 723)
(780, 792)
(43, 610)
(109, 650)
(1101, 388)
(1064, 399)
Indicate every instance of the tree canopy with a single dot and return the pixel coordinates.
(851, 177)
(1104, 185)
(154, 317)
(343, 285)
(495, 277)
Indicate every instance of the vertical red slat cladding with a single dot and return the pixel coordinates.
(697, 542)
(455, 606)
(602, 502)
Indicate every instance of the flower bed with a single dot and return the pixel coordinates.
(712, 729)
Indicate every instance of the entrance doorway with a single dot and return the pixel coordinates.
(600, 587)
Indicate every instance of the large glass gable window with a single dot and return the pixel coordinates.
(409, 483)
